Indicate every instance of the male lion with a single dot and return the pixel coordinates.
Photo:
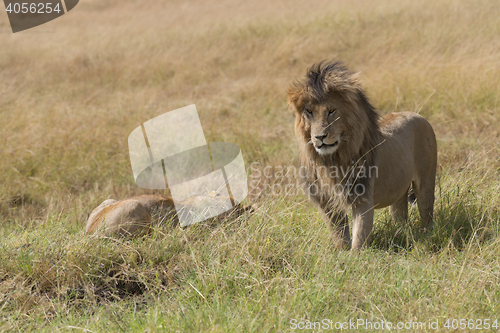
(350, 157)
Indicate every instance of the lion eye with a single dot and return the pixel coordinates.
(308, 112)
(332, 111)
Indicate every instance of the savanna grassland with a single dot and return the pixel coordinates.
(72, 90)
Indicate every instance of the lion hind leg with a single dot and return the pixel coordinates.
(399, 209)
(424, 192)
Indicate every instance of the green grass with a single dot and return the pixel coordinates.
(255, 273)
(69, 99)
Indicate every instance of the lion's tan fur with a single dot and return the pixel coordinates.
(128, 217)
(133, 216)
(338, 129)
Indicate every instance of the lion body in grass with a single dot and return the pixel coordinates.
(134, 216)
(353, 158)
(128, 217)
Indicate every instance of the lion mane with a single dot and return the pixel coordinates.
(361, 122)
(344, 145)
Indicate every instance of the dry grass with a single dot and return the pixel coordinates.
(72, 90)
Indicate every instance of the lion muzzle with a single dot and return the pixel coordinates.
(325, 145)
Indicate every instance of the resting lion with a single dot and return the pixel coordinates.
(350, 157)
(133, 216)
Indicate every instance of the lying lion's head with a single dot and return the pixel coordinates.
(333, 116)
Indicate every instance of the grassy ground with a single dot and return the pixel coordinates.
(72, 90)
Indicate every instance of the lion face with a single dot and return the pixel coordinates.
(333, 116)
(324, 123)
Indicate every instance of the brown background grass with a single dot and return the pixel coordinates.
(72, 90)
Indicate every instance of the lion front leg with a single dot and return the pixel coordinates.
(362, 223)
(338, 223)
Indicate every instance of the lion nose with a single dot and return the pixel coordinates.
(320, 137)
